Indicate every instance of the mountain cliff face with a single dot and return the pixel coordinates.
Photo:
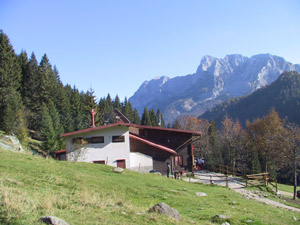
(215, 81)
(283, 95)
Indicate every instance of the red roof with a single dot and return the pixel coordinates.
(127, 125)
(152, 144)
(61, 151)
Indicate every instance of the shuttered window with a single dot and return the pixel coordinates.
(178, 160)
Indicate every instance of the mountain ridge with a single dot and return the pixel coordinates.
(214, 81)
(283, 95)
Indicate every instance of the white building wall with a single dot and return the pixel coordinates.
(108, 151)
(140, 162)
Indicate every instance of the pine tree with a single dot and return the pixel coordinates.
(146, 118)
(135, 117)
(76, 110)
(116, 103)
(10, 82)
(47, 131)
(153, 118)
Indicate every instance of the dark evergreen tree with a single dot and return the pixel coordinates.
(10, 82)
(146, 118)
(76, 110)
(153, 118)
(117, 103)
(135, 117)
(46, 131)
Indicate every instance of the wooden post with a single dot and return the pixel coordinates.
(210, 179)
(246, 181)
(226, 180)
(265, 180)
(234, 172)
(227, 168)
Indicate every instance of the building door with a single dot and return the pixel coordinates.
(121, 163)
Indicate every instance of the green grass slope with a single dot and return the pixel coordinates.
(82, 193)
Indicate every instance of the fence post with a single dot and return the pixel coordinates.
(265, 180)
(246, 181)
(227, 168)
(226, 180)
(210, 179)
(234, 171)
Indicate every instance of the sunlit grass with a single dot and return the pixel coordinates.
(82, 193)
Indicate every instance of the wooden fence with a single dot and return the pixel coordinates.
(251, 176)
(211, 178)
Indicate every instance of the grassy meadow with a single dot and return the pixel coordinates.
(82, 193)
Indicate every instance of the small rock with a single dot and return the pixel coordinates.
(267, 203)
(295, 218)
(139, 214)
(165, 197)
(52, 220)
(201, 194)
(219, 218)
(163, 208)
(124, 213)
(266, 195)
(118, 170)
(249, 221)
(278, 194)
(157, 173)
(192, 221)
(226, 223)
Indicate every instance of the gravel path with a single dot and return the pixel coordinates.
(238, 185)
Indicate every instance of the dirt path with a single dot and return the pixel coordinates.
(238, 185)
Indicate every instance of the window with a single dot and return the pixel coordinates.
(119, 138)
(78, 140)
(178, 160)
(99, 162)
(98, 139)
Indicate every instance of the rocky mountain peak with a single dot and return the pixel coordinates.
(215, 81)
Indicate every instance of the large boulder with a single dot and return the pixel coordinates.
(165, 209)
(52, 220)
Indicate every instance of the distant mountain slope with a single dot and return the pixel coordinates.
(283, 95)
(215, 81)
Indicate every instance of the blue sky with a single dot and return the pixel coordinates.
(114, 46)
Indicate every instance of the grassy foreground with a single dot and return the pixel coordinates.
(82, 193)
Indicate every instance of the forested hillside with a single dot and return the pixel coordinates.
(34, 101)
(283, 95)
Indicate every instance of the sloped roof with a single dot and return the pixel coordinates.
(128, 125)
(148, 142)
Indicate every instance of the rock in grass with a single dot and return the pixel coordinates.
(219, 218)
(118, 170)
(52, 220)
(165, 209)
(201, 194)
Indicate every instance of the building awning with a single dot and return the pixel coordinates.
(161, 147)
(61, 152)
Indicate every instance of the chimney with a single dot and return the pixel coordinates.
(93, 117)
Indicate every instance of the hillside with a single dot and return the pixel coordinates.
(283, 95)
(215, 81)
(81, 193)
